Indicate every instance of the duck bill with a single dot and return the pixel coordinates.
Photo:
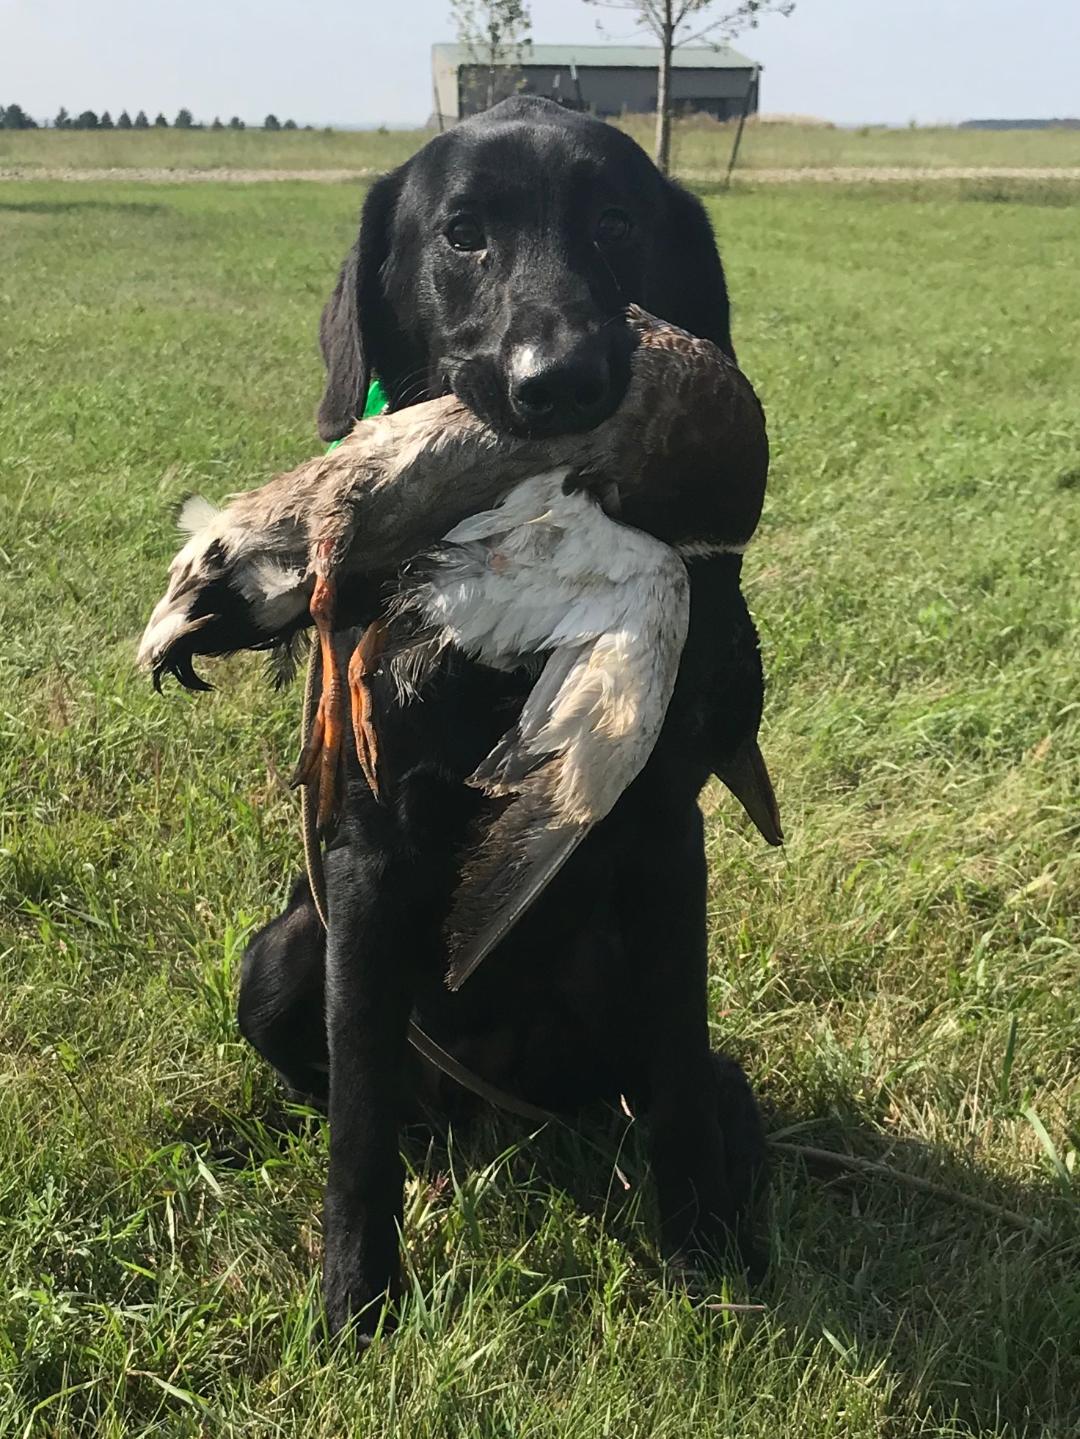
(748, 780)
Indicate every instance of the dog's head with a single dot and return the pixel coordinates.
(497, 264)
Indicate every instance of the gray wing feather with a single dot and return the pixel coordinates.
(516, 756)
(522, 852)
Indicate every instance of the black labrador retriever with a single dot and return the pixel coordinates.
(497, 264)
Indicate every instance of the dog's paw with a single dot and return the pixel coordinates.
(705, 1264)
(714, 1251)
(354, 1312)
(361, 1270)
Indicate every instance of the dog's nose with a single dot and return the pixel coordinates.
(555, 392)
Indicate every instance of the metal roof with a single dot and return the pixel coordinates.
(684, 57)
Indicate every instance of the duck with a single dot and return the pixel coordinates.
(569, 553)
(545, 576)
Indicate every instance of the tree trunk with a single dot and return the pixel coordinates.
(663, 92)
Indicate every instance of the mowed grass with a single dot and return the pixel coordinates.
(700, 147)
(901, 981)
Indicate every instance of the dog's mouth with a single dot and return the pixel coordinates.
(476, 384)
(483, 384)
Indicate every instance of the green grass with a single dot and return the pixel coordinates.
(700, 146)
(209, 149)
(902, 981)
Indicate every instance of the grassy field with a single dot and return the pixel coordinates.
(700, 146)
(902, 981)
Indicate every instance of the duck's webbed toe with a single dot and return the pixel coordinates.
(319, 766)
(364, 660)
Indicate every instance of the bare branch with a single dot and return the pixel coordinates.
(670, 22)
(745, 17)
(650, 15)
(494, 34)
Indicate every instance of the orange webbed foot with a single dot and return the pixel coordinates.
(319, 765)
(363, 661)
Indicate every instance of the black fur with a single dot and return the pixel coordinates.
(601, 989)
(538, 182)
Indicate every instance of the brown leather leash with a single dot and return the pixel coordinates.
(420, 1040)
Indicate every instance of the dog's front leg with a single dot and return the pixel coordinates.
(706, 1144)
(368, 1001)
(708, 1158)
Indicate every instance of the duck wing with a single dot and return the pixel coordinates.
(526, 841)
(585, 732)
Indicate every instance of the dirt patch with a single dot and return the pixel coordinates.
(817, 175)
(185, 176)
(863, 174)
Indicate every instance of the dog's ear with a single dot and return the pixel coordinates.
(695, 293)
(353, 313)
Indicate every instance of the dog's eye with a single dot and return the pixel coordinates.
(612, 227)
(464, 233)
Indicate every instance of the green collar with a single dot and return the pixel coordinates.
(375, 404)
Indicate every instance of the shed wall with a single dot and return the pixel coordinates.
(607, 90)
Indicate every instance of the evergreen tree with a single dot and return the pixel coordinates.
(184, 120)
(16, 118)
(106, 121)
(123, 121)
(63, 120)
(160, 122)
(289, 125)
(236, 123)
(217, 125)
(271, 123)
(141, 122)
(87, 121)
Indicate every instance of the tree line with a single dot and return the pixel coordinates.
(14, 117)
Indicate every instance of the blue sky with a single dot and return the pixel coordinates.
(368, 61)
